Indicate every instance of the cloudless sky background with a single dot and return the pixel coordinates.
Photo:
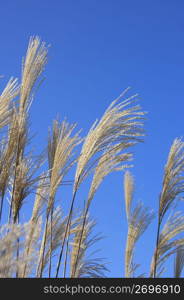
(99, 48)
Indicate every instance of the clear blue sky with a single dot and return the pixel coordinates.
(98, 48)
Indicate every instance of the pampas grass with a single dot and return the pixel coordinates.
(48, 240)
(138, 219)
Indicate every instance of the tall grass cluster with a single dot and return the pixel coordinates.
(51, 243)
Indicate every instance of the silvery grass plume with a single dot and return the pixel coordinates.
(61, 158)
(169, 241)
(119, 129)
(10, 92)
(8, 142)
(179, 262)
(32, 67)
(80, 264)
(173, 183)
(138, 219)
(172, 187)
(7, 155)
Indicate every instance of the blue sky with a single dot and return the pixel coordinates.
(98, 48)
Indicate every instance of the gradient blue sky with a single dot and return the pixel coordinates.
(98, 48)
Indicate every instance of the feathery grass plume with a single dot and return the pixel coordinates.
(60, 151)
(138, 219)
(169, 240)
(7, 156)
(6, 106)
(7, 117)
(179, 262)
(85, 267)
(173, 183)
(173, 186)
(32, 67)
(119, 125)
